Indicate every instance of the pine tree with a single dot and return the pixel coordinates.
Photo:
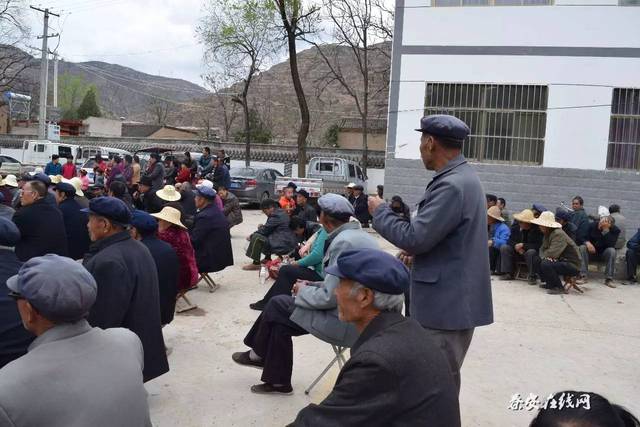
(89, 106)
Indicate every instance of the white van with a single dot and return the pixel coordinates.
(38, 152)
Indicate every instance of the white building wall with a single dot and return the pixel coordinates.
(98, 126)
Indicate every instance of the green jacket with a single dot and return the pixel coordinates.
(557, 245)
(316, 254)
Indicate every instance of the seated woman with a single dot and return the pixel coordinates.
(309, 267)
(172, 231)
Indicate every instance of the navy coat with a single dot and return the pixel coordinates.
(450, 278)
(128, 295)
(396, 376)
(41, 231)
(211, 240)
(14, 338)
(168, 267)
(75, 225)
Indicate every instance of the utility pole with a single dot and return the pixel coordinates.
(44, 73)
(55, 79)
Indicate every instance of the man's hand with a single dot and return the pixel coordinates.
(373, 203)
(248, 238)
(519, 247)
(298, 286)
(590, 248)
(405, 258)
(490, 242)
(604, 224)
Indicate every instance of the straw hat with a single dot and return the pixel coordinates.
(169, 194)
(11, 181)
(546, 219)
(171, 215)
(495, 213)
(56, 179)
(76, 182)
(524, 216)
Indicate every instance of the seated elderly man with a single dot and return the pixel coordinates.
(73, 374)
(396, 375)
(600, 245)
(523, 245)
(559, 253)
(563, 217)
(312, 308)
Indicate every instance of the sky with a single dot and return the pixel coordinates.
(152, 36)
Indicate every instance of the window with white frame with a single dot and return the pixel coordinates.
(629, 2)
(624, 130)
(508, 122)
(450, 3)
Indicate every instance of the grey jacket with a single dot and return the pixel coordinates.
(316, 306)
(281, 238)
(450, 279)
(76, 376)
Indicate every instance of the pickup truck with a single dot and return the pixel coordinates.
(325, 175)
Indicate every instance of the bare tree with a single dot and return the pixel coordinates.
(159, 110)
(241, 33)
(357, 35)
(14, 33)
(222, 99)
(298, 22)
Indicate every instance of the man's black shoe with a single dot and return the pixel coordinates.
(545, 286)
(258, 306)
(242, 358)
(556, 291)
(265, 388)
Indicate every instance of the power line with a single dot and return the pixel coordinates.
(144, 52)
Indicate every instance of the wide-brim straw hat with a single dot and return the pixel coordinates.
(169, 194)
(56, 179)
(495, 213)
(77, 183)
(524, 216)
(546, 219)
(11, 181)
(171, 215)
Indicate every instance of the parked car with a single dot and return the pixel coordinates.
(253, 184)
(9, 165)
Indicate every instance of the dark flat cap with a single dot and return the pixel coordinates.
(144, 222)
(444, 126)
(9, 233)
(61, 289)
(372, 268)
(538, 207)
(43, 178)
(111, 208)
(145, 180)
(303, 193)
(206, 192)
(358, 187)
(66, 188)
(563, 214)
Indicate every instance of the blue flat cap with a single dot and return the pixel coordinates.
(335, 204)
(538, 207)
(206, 192)
(144, 222)
(563, 214)
(43, 178)
(111, 208)
(444, 126)
(9, 233)
(61, 289)
(373, 269)
(66, 188)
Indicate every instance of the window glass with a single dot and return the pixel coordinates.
(624, 130)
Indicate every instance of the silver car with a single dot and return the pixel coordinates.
(253, 184)
(10, 166)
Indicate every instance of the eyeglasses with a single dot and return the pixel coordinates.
(15, 295)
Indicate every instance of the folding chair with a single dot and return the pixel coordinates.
(189, 306)
(570, 282)
(522, 272)
(339, 357)
(213, 286)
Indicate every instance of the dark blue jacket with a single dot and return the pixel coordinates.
(634, 243)
(14, 338)
(41, 231)
(75, 225)
(168, 267)
(53, 169)
(211, 240)
(582, 222)
(221, 176)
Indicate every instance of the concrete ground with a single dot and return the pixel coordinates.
(538, 344)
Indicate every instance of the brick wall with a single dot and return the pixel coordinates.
(523, 185)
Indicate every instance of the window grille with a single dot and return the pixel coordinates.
(624, 130)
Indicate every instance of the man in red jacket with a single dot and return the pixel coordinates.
(69, 169)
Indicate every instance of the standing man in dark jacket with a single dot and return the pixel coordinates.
(53, 167)
(447, 241)
(41, 225)
(144, 229)
(210, 235)
(305, 210)
(580, 219)
(396, 376)
(360, 206)
(75, 221)
(524, 243)
(14, 338)
(127, 282)
(600, 244)
(155, 172)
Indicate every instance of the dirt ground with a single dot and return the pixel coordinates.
(538, 344)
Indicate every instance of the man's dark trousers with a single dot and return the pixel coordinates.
(550, 272)
(287, 277)
(270, 338)
(632, 257)
(508, 255)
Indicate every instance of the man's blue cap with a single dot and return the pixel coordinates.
(444, 126)
(61, 289)
(111, 208)
(538, 207)
(9, 233)
(563, 214)
(43, 178)
(373, 269)
(206, 192)
(66, 188)
(144, 222)
(335, 204)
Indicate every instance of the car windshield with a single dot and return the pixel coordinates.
(8, 159)
(243, 173)
(89, 164)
